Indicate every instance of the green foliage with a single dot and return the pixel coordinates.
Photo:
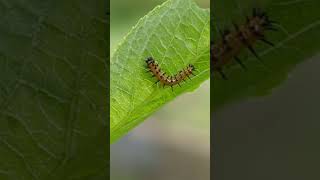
(53, 103)
(297, 39)
(175, 34)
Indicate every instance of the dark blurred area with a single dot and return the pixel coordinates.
(273, 137)
(53, 100)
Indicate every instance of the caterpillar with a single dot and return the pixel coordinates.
(243, 36)
(166, 80)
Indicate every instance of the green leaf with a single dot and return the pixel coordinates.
(53, 102)
(297, 40)
(176, 34)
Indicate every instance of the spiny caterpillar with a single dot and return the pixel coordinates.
(244, 36)
(165, 80)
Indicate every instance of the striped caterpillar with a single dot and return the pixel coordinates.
(244, 36)
(166, 80)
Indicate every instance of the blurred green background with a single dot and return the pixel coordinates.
(272, 137)
(175, 142)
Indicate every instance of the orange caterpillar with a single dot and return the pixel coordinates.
(165, 80)
(244, 36)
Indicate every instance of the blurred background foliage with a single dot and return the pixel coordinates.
(175, 142)
(274, 136)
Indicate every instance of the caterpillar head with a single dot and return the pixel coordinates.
(150, 60)
(190, 68)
